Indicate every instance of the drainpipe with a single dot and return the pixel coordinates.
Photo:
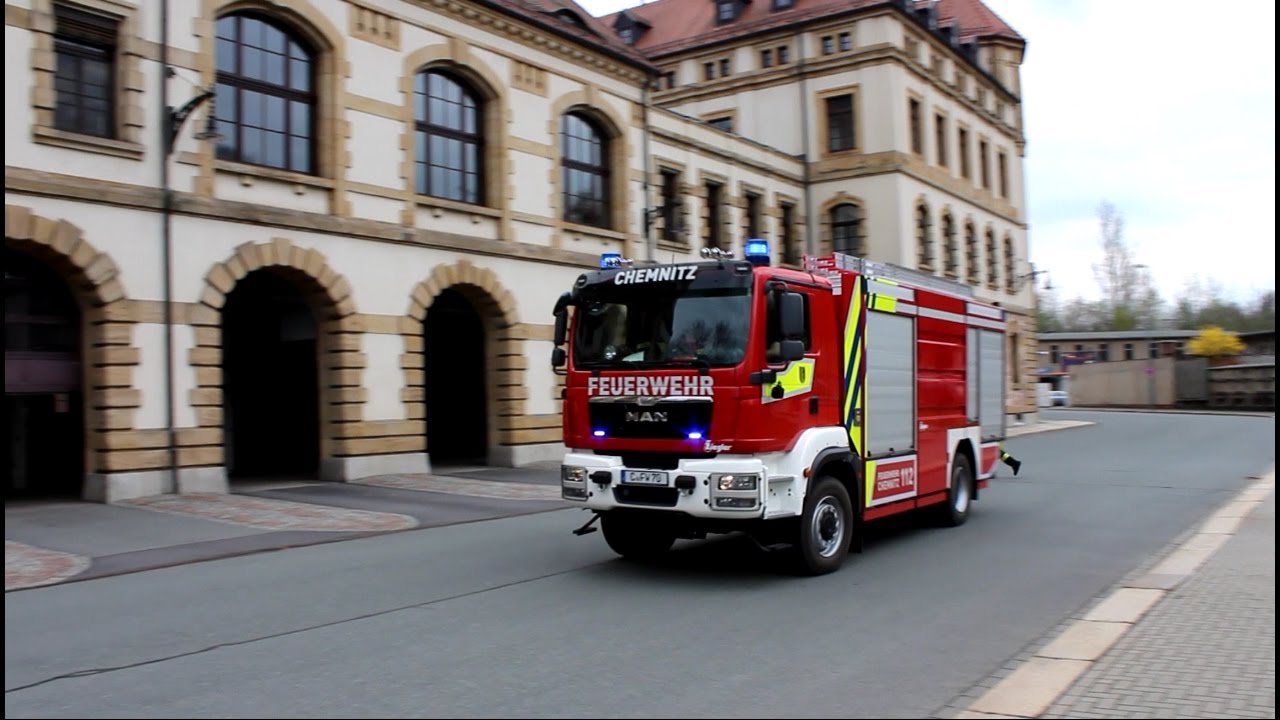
(166, 213)
(648, 235)
(809, 243)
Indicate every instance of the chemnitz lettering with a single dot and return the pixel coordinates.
(660, 386)
(656, 274)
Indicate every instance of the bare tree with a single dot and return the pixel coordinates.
(1129, 299)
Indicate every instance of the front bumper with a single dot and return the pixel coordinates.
(723, 487)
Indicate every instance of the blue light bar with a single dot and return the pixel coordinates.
(598, 433)
(695, 435)
(610, 259)
(757, 251)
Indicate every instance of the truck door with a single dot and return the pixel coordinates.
(890, 410)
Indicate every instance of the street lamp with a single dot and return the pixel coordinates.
(1030, 276)
(1151, 349)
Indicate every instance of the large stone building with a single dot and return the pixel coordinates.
(344, 261)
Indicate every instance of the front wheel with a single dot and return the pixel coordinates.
(635, 539)
(826, 528)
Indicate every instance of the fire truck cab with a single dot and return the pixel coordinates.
(731, 395)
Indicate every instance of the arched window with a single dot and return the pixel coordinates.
(923, 241)
(846, 229)
(584, 178)
(266, 94)
(448, 138)
(971, 253)
(1009, 263)
(993, 261)
(951, 259)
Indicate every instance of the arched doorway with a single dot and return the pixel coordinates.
(457, 409)
(270, 372)
(43, 397)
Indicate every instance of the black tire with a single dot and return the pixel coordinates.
(826, 527)
(955, 511)
(635, 539)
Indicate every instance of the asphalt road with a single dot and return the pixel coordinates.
(517, 617)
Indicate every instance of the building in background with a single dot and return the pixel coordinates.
(344, 262)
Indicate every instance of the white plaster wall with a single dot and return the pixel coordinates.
(533, 190)
(373, 207)
(376, 156)
(383, 376)
(130, 237)
(272, 193)
(384, 86)
(540, 379)
(532, 233)
(149, 376)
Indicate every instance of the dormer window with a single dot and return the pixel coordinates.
(628, 35)
(783, 4)
(629, 27)
(728, 10)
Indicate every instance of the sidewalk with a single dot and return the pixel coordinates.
(49, 542)
(1193, 636)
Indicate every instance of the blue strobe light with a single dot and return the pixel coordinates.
(757, 251)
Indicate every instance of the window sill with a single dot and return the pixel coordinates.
(88, 143)
(592, 230)
(437, 203)
(247, 172)
(674, 246)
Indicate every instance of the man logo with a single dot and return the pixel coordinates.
(646, 416)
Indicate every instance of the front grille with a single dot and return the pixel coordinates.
(652, 496)
(663, 420)
(655, 460)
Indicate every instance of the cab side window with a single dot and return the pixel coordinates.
(773, 329)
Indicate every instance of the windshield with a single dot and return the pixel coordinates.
(643, 325)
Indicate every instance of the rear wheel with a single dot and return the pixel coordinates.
(634, 537)
(826, 528)
(955, 511)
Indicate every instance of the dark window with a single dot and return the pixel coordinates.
(724, 123)
(787, 235)
(782, 4)
(724, 68)
(753, 215)
(449, 143)
(715, 236)
(971, 253)
(993, 261)
(266, 95)
(1103, 352)
(766, 58)
(917, 140)
(846, 41)
(84, 46)
(784, 55)
(1009, 264)
(828, 45)
(628, 34)
(840, 123)
(1002, 168)
(708, 71)
(668, 80)
(984, 164)
(1053, 354)
(923, 241)
(846, 229)
(670, 205)
(1128, 351)
(963, 142)
(726, 10)
(940, 138)
(585, 171)
(951, 260)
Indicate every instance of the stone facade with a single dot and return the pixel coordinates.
(367, 251)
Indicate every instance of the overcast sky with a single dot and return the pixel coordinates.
(1165, 109)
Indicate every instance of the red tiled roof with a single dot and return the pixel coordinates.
(683, 24)
(593, 31)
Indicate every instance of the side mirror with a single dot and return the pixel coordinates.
(558, 357)
(562, 328)
(792, 350)
(791, 320)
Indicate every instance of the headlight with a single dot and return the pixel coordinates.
(573, 474)
(573, 482)
(737, 482)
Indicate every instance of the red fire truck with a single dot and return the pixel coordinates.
(730, 395)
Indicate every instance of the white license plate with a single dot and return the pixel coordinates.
(644, 477)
